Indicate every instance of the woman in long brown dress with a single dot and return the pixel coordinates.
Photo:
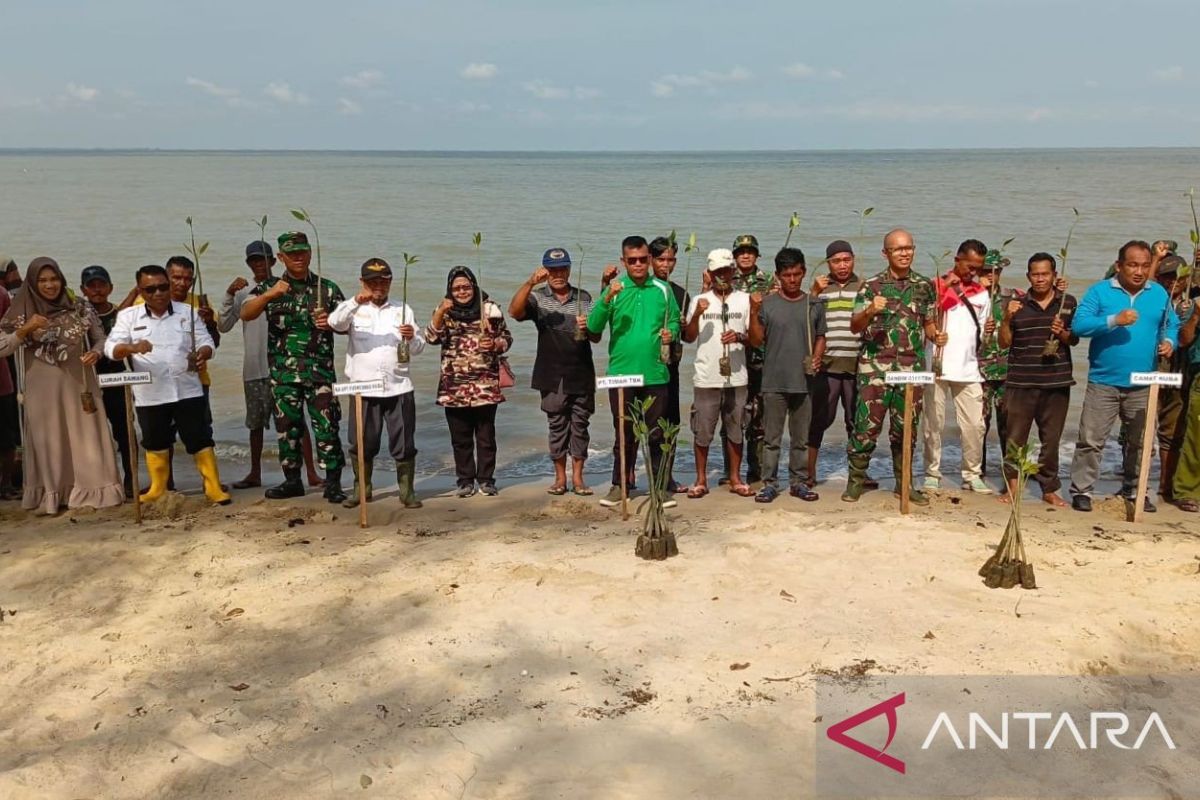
(69, 457)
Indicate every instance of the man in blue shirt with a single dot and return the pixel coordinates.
(1131, 323)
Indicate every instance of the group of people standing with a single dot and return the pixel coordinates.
(768, 356)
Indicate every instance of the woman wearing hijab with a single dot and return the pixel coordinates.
(69, 456)
(469, 386)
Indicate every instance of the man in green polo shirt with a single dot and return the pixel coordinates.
(641, 314)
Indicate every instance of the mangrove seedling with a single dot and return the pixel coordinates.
(303, 215)
(1050, 348)
(580, 333)
(689, 248)
(1195, 237)
(657, 540)
(862, 219)
(477, 240)
(403, 353)
(938, 261)
(201, 297)
(1009, 565)
(793, 223)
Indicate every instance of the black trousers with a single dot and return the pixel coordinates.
(658, 397)
(1048, 409)
(186, 417)
(473, 439)
(114, 409)
(398, 414)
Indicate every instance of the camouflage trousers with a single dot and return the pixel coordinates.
(875, 400)
(993, 399)
(325, 413)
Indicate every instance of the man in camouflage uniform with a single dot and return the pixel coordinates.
(750, 279)
(894, 313)
(300, 356)
(993, 359)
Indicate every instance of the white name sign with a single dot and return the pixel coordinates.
(1156, 379)
(123, 379)
(357, 387)
(620, 381)
(908, 377)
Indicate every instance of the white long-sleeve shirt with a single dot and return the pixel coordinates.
(374, 332)
(254, 334)
(171, 335)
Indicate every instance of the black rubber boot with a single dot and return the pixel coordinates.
(292, 486)
(333, 486)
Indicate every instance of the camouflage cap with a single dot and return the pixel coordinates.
(995, 260)
(746, 240)
(293, 242)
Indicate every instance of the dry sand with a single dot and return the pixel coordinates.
(514, 647)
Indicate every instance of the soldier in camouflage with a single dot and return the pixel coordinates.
(750, 279)
(894, 313)
(300, 356)
(993, 359)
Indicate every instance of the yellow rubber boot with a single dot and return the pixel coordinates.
(158, 464)
(206, 463)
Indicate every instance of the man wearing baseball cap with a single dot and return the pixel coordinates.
(300, 353)
(719, 321)
(563, 370)
(96, 286)
(749, 278)
(376, 326)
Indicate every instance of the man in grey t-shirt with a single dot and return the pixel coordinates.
(793, 332)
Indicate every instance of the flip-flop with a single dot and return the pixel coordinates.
(741, 489)
(557, 491)
(582, 491)
(696, 492)
(1191, 506)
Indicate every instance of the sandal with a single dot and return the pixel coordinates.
(741, 489)
(557, 490)
(582, 491)
(697, 491)
(1188, 505)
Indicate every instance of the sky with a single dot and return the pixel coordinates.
(599, 75)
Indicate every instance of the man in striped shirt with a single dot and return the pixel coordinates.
(836, 383)
(1038, 387)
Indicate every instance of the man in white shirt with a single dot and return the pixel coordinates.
(964, 305)
(719, 321)
(376, 327)
(157, 338)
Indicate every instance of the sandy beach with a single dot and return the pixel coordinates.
(514, 647)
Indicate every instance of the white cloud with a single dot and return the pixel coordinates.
(84, 94)
(543, 90)
(587, 93)
(1091, 84)
(210, 88)
(707, 79)
(349, 107)
(834, 74)
(283, 93)
(799, 70)
(479, 71)
(1168, 74)
(366, 79)
(893, 111)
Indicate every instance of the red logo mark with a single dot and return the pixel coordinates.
(838, 732)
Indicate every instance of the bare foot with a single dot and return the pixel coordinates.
(315, 481)
(1052, 499)
(1005, 498)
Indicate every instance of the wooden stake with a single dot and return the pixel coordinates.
(133, 455)
(621, 439)
(906, 450)
(362, 462)
(1139, 502)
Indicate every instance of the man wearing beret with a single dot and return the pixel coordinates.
(749, 278)
(300, 352)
